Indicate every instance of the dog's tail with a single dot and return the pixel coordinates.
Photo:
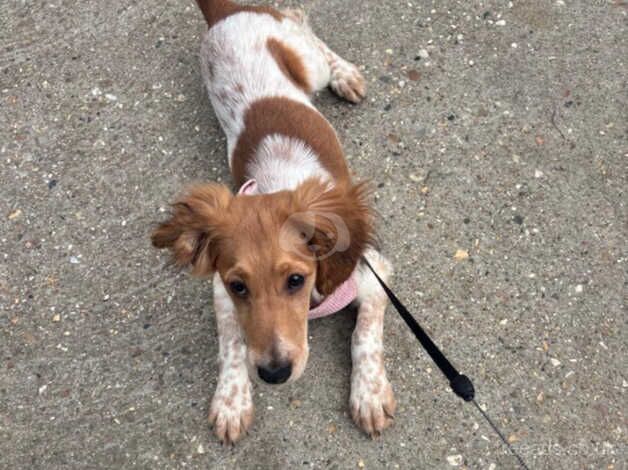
(216, 10)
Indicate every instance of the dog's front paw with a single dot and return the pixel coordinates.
(372, 403)
(231, 413)
(347, 81)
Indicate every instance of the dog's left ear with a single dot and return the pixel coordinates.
(338, 225)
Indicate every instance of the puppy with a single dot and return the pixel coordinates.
(288, 245)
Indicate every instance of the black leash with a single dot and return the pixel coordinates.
(460, 384)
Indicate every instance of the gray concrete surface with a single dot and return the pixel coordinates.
(508, 140)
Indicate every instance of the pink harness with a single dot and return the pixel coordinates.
(344, 294)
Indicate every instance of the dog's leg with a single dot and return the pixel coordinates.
(329, 69)
(231, 411)
(372, 401)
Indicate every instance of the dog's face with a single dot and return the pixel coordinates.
(271, 251)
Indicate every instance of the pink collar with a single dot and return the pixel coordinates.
(248, 189)
(344, 294)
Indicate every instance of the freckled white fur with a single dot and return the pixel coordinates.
(371, 401)
(231, 410)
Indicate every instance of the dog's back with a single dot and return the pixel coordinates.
(251, 53)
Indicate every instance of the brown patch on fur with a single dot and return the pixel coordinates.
(322, 205)
(217, 10)
(290, 63)
(293, 119)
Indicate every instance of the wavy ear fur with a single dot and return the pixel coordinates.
(339, 225)
(193, 228)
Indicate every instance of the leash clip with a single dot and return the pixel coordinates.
(463, 387)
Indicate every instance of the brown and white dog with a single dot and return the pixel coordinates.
(299, 234)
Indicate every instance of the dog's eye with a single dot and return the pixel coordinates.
(238, 288)
(295, 282)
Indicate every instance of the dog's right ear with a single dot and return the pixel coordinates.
(193, 229)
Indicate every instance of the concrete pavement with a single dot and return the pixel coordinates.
(492, 129)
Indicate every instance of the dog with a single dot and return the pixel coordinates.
(294, 235)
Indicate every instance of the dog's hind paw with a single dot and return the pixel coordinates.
(347, 81)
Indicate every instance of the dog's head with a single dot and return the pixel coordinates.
(271, 252)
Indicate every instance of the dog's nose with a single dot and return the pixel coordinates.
(275, 374)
